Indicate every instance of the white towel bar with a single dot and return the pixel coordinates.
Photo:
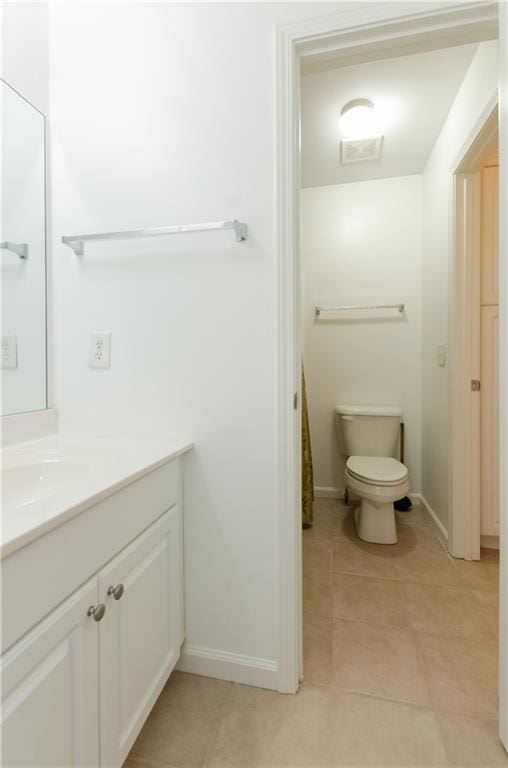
(77, 242)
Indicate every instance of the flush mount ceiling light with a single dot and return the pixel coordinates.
(358, 120)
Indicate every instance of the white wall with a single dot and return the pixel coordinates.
(25, 57)
(361, 243)
(163, 113)
(477, 89)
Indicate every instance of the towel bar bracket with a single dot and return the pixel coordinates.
(20, 249)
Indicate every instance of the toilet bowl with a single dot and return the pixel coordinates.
(378, 481)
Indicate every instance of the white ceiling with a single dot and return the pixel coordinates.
(414, 95)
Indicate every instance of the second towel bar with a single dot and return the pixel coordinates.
(399, 307)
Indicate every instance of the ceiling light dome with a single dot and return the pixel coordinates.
(358, 120)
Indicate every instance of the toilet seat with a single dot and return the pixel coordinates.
(376, 470)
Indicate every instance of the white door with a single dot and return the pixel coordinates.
(489, 464)
(50, 712)
(489, 352)
(140, 640)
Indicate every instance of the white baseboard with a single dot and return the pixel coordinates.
(328, 492)
(210, 662)
(434, 520)
(489, 542)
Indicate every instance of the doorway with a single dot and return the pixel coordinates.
(474, 480)
(366, 35)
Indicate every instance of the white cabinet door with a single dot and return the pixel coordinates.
(489, 467)
(50, 712)
(141, 635)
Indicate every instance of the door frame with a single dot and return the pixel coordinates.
(464, 321)
(369, 29)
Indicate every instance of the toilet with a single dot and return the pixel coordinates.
(368, 435)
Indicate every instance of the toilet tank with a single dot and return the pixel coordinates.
(368, 430)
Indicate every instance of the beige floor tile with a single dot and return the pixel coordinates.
(414, 516)
(489, 606)
(335, 517)
(134, 762)
(367, 599)
(427, 568)
(316, 534)
(471, 741)
(346, 529)
(263, 728)
(327, 512)
(378, 660)
(369, 732)
(462, 675)
(180, 727)
(317, 555)
(416, 538)
(317, 649)
(479, 575)
(446, 611)
(362, 559)
(317, 593)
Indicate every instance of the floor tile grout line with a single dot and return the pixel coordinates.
(217, 725)
(410, 629)
(402, 580)
(436, 708)
(379, 697)
(421, 657)
(462, 713)
(407, 628)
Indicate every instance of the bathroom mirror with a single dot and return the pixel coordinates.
(22, 254)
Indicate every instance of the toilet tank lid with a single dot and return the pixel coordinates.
(369, 410)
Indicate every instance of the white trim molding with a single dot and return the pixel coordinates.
(368, 30)
(211, 662)
(503, 371)
(328, 492)
(434, 521)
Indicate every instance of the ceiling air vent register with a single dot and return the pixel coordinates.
(360, 150)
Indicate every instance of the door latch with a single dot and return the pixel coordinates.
(295, 401)
(475, 385)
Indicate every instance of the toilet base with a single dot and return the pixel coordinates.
(375, 523)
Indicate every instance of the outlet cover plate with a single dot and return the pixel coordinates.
(99, 352)
(9, 352)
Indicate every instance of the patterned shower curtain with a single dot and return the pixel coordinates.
(307, 474)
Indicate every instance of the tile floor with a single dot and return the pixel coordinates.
(400, 654)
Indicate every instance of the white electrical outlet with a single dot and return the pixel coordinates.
(99, 354)
(441, 355)
(9, 352)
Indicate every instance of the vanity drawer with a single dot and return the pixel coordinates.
(41, 575)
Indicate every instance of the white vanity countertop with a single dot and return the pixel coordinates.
(48, 481)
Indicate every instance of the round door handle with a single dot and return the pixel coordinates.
(117, 591)
(97, 611)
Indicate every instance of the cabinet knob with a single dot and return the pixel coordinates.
(117, 591)
(97, 611)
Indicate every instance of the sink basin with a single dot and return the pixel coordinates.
(26, 483)
(48, 481)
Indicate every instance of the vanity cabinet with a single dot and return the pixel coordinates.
(77, 688)
(140, 634)
(50, 706)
